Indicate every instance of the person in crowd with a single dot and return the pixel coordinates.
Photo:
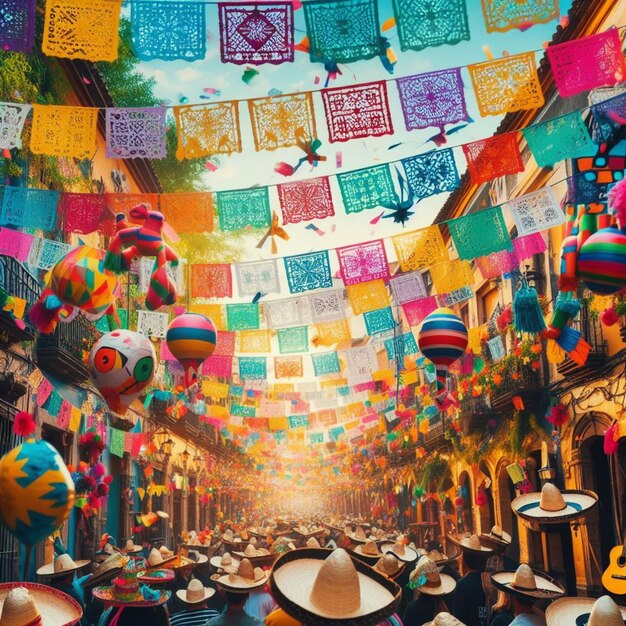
(234, 614)
(195, 598)
(278, 617)
(502, 610)
(134, 616)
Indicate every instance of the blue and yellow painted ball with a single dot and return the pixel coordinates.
(36, 491)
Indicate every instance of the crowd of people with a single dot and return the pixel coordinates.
(284, 572)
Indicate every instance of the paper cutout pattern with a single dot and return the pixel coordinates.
(225, 345)
(152, 323)
(282, 121)
(252, 368)
(288, 367)
(368, 296)
(211, 281)
(403, 344)
(419, 249)
(325, 363)
(17, 25)
(605, 103)
(207, 129)
(462, 294)
(493, 157)
(363, 262)
(433, 99)
(526, 247)
(379, 321)
(417, 310)
(256, 33)
(262, 277)
(431, 173)
(218, 366)
(496, 348)
(450, 276)
(288, 312)
(247, 207)
(306, 272)
(502, 15)
(295, 339)
(496, 264)
(242, 316)
(64, 131)
(407, 287)
(188, 212)
(124, 202)
(343, 31)
(135, 133)
(366, 189)
(82, 29)
(564, 137)
(361, 362)
(45, 253)
(15, 244)
(327, 305)
(587, 63)
(481, 233)
(330, 333)
(86, 213)
(12, 118)
(305, 200)
(29, 208)
(358, 111)
(536, 211)
(254, 341)
(169, 31)
(507, 84)
(428, 23)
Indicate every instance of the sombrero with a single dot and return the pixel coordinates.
(131, 547)
(197, 557)
(445, 619)
(427, 579)
(496, 536)
(158, 558)
(252, 553)
(225, 562)
(551, 506)
(357, 536)
(368, 550)
(195, 592)
(389, 566)
(312, 542)
(400, 551)
(110, 567)
(333, 524)
(438, 556)
(331, 589)
(470, 543)
(62, 565)
(23, 603)
(245, 580)
(157, 576)
(126, 590)
(528, 583)
(585, 612)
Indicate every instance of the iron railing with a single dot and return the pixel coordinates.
(17, 281)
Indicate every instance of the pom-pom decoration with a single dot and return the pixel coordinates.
(36, 491)
(609, 317)
(24, 424)
(91, 445)
(122, 364)
(557, 415)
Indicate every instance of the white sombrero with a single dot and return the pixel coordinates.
(332, 589)
(158, 558)
(551, 506)
(195, 592)
(470, 543)
(438, 556)
(245, 580)
(427, 579)
(496, 536)
(131, 547)
(368, 550)
(197, 557)
(225, 562)
(585, 612)
(252, 553)
(357, 536)
(445, 619)
(23, 603)
(62, 565)
(527, 582)
(400, 551)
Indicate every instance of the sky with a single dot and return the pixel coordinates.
(181, 81)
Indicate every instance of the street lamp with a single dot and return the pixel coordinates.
(184, 457)
(167, 446)
(197, 462)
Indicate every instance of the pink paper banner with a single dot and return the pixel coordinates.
(417, 310)
(15, 244)
(219, 366)
(363, 262)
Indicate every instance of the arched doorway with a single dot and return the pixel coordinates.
(508, 521)
(465, 518)
(487, 513)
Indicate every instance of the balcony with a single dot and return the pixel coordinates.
(188, 427)
(17, 281)
(591, 330)
(527, 386)
(435, 437)
(476, 413)
(61, 352)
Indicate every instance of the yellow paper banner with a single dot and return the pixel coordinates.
(420, 249)
(368, 296)
(451, 276)
(75, 419)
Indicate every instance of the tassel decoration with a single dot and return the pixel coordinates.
(527, 314)
(554, 353)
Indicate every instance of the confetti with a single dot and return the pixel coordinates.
(212, 91)
(86, 80)
(210, 166)
(249, 74)
(315, 229)
(339, 159)
(274, 92)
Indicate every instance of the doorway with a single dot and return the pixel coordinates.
(506, 492)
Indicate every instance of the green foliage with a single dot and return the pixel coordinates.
(436, 474)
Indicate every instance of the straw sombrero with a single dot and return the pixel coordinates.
(427, 579)
(110, 567)
(197, 557)
(331, 589)
(585, 612)
(389, 566)
(445, 619)
(248, 578)
(225, 562)
(438, 556)
(23, 603)
(252, 553)
(551, 506)
(356, 536)
(400, 551)
(158, 558)
(195, 592)
(312, 542)
(131, 547)
(368, 550)
(470, 543)
(528, 583)
(496, 536)
(62, 565)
